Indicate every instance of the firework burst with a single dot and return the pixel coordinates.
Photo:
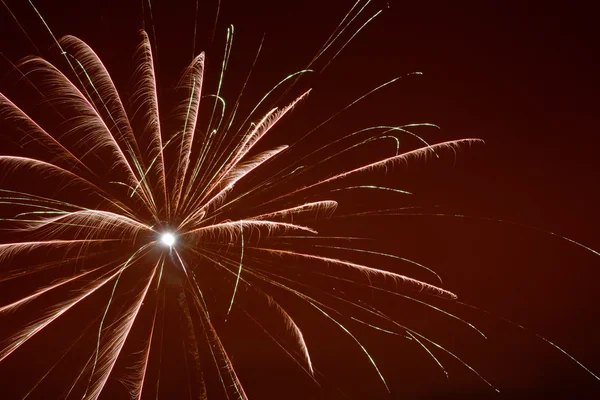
(132, 220)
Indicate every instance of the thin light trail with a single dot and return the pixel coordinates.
(408, 330)
(237, 280)
(387, 129)
(357, 341)
(122, 268)
(352, 37)
(19, 339)
(502, 221)
(140, 388)
(64, 354)
(536, 335)
(120, 339)
(406, 260)
(412, 299)
(314, 303)
(14, 17)
(404, 157)
(288, 318)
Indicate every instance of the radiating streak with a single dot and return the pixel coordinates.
(216, 20)
(132, 152)
(290, 323)
(326, 207)
(123, 266)
(21, 272)
(160, 352)
(346, 137)
(193, 350)
(64, 354)
(228, 46)
(205, 154)
(287, 78)
(307, 298)
(189, 128)
(339, 30)
(62, 51)
(258, 132)
(148, 92)
(537, 335)
(109, 97)
(429, 352)
(404, 157)
(78, 377)
(314, 303)
(206, 322)
(310, 372)
(352, 37)
(423, 303)
(93, 120)
(207, 143)
(336, 34)
(378, 313)
(237, 281)
(229, 228)
(422, 286)
(19, 339)
(32, 162)
(218, 150)
(508, 222)
(356, 340)
(151, 25)
(258, 188)
(379, 213)
(372, 187)
(116, 345)
(41, 199)
(214, 357)
(381, 315)
(452, 355)
(140, 387)
(100, 220)
(352, 104)
(8, 249)
(20, 26)
(230, 179)
(384, 255)
(33, 129)
(374, 327)
(347, 149)
(24, 300)
(195, 29)
(49, 210)
(242, 90)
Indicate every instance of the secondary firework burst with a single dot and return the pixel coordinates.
(122, 218)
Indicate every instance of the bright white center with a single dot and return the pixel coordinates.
(167, 239)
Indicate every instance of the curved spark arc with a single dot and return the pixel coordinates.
(146, 97)
(206, 200)
(197, 75)
(90, 119)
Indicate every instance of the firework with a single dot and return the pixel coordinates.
(156, 229)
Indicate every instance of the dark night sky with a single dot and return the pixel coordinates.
(520, 75)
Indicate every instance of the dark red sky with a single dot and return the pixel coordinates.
(520, 75)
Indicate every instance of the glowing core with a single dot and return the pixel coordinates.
(167, 239)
